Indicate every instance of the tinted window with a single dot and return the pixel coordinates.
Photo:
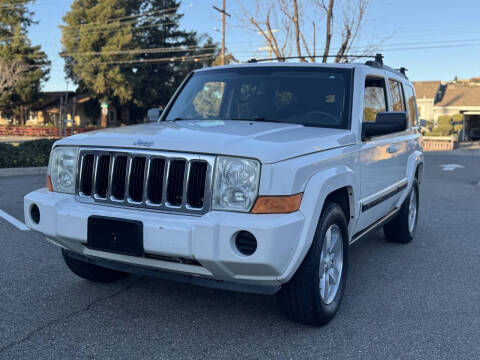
(398, 103)
(307, 96)
(411, 105)
(375, 99)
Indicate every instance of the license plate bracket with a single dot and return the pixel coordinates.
(115, 235)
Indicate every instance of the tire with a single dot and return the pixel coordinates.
(402, 228)
(90, 271)
(302, 298)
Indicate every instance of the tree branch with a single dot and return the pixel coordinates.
(329, 25)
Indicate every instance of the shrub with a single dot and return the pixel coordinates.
(444, 120)
(444, 128)
(457, 118)
(26, 154)
(437, 133)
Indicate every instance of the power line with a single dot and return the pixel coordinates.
(142, 51)
(109, 21)
(92, 31)
(170, 59)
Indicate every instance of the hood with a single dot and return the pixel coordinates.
(267, 142)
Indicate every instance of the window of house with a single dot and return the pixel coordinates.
(375, 99)
(398, 103)
(411, 105)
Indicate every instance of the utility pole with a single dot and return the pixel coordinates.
(268, 47)
(224, 13)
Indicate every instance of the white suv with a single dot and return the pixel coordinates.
(256, 177)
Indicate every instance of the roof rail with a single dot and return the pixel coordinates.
(346, 56)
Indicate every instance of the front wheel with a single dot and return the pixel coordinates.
(403, 227)
(314, 294)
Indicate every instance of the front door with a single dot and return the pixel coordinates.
(383, 159)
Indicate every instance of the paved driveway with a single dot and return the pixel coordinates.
(420, 300)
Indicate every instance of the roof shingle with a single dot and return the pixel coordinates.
(426, 89)
(461, 95)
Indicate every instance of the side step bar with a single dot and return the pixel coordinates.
(375, 226)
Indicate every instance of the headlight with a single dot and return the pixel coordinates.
(63, 168)
(235, 187)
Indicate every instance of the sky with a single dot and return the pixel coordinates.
(433, 39)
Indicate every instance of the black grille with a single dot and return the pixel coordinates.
(119, 176)
(137, 174)
(86, 175)
(148, 180)
(101, 182)
(175, 182)
(196, 184)
(155, 181)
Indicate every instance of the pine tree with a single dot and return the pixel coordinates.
(15, 18)
(112, 48)
(155, 82)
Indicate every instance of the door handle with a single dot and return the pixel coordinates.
(393, 149)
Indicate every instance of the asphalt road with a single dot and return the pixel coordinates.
(420, 300)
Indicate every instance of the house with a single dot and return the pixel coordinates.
(53, 104)
(426, 92)
(435, 98)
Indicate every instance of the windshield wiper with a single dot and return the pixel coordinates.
(261, 119)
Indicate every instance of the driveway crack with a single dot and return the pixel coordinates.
(85, 308)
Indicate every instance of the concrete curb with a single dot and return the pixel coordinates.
(23, 171)
(454, 153)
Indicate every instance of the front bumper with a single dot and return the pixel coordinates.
(206, 239)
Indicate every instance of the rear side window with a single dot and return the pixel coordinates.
(375, 99)
(411, 105)
(398, 103)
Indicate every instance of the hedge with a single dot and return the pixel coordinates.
(457, 118)
(26, 154)
(437, 133)
(444, 120)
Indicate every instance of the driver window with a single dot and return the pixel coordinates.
(375, 99)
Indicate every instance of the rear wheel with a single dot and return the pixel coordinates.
(90, 271)
(403, 227)
(314, 294)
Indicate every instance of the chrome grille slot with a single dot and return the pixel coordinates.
(101, 177)
(155, 181)
(175, 182)
(137, 179)
(118, 177)
(87, 174)
(158, 181)
(196, 184)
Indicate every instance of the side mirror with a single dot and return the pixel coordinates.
(154, 114)
(385, 123)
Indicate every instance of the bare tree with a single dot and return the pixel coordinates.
(10, 74)
(263, 19)
(343, 20)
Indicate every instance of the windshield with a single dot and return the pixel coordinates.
(308, 96)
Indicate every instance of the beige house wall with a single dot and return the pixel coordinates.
(425, 109)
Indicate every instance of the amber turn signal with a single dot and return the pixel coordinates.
(49, 183)
(282, 204)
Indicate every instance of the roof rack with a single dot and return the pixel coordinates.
(376, 57)
(376, 62)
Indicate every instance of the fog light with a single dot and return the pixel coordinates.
(245, 242)
(35, 213)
